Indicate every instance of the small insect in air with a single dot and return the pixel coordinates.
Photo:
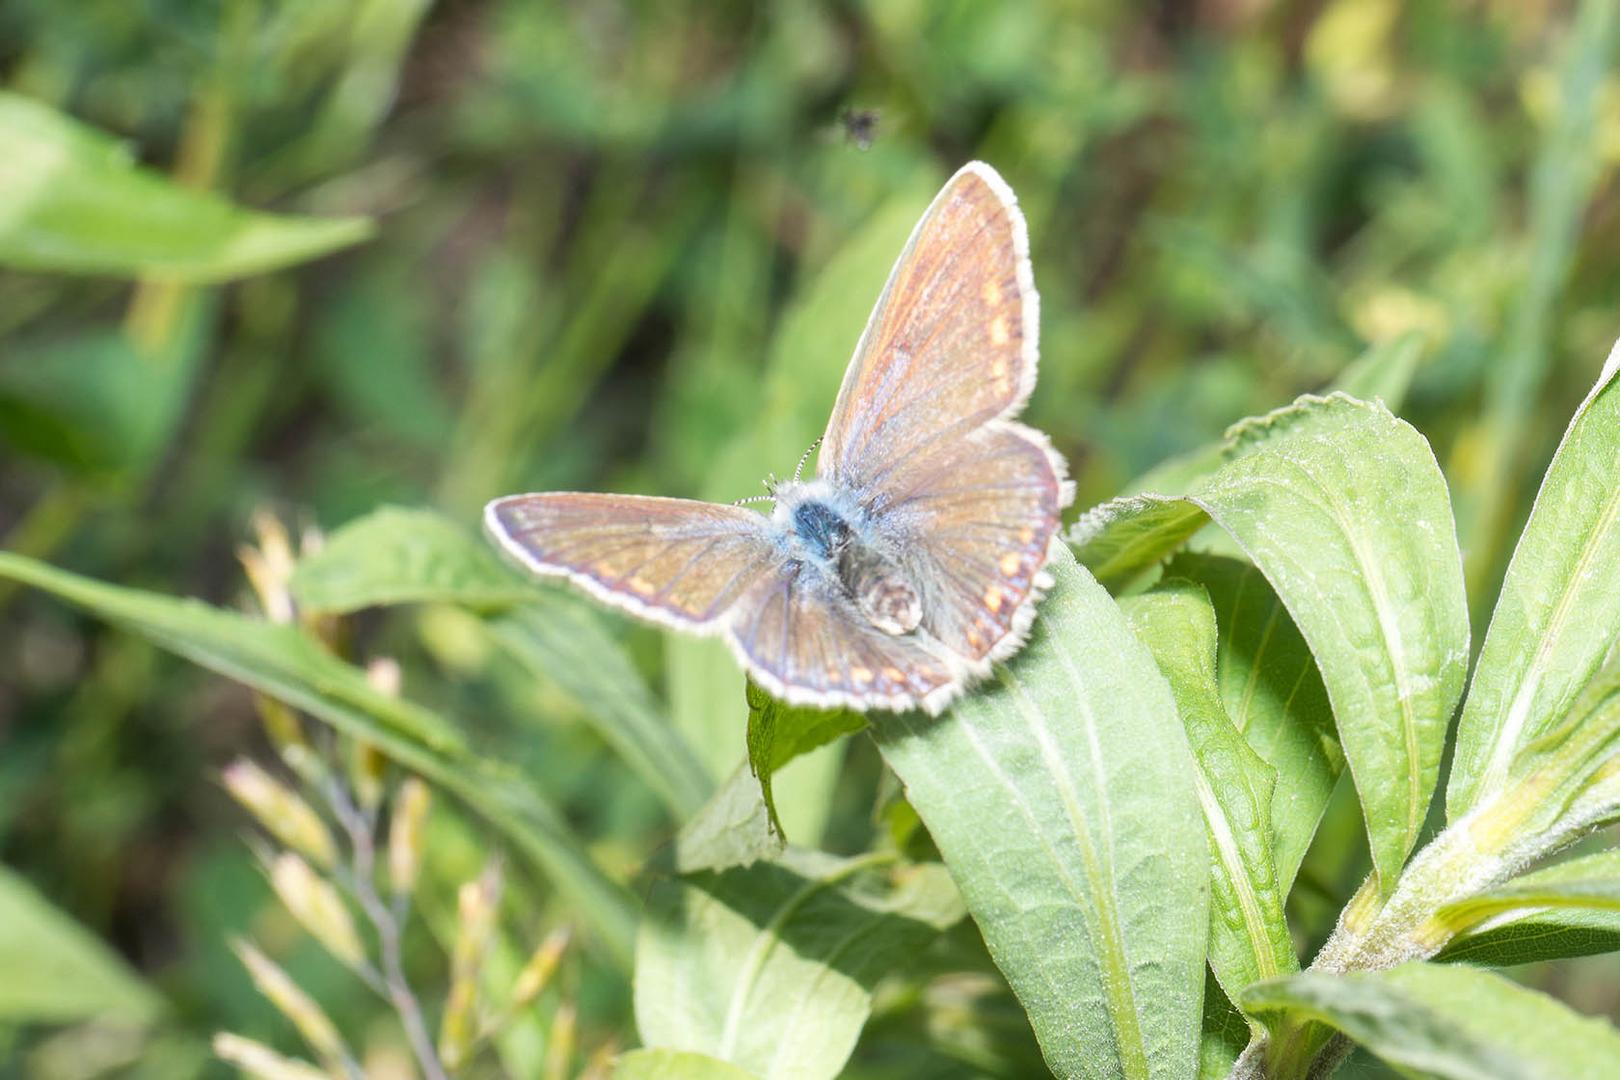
(914, 558)
(860, 126)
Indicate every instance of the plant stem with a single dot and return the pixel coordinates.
(388, 923)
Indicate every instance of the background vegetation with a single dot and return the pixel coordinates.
(629, 246)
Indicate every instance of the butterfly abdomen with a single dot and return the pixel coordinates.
(868, 577)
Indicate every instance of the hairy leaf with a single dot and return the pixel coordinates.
(1559, 611)
(1274, 695)
(1248, 939)
(1062, 797)
(1344, 510)
(770, 967)
(1450, 1022)
(1571, 909)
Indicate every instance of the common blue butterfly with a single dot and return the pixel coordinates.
(914, 559)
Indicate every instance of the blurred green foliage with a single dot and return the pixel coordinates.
(629, 246)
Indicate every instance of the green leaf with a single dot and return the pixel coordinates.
(1344, 510)
(73, 199)
(1526, 932)
(1449, 1022)
(1062, 797)
(286, 664)
(771, 967)
(400, 556)
(1248, 938)
(56, 971)
(778, 733)
(675, 1065)
(1274, 695)
(1570, 909)
(1559, 611)
(734, 828)
(397, 556)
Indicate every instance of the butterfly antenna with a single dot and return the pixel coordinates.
(771, 483)
(800, 470)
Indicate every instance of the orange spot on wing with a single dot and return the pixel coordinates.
(999, 334)
(1026, 534)
(861, 675)
(992, 292)
(992, 598)
(642, 585)
(1011, 563)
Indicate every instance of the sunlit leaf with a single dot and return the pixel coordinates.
(770, 967)
(73, 199)
(1062, 797)
(1274, 695)
(1559, 611)
(1344, 510)
(56, 971)
(1450, 1022)
(1248, 939)
(675, 1065)
(1571, 909)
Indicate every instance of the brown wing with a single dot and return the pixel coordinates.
(674, 561)
(975, 521)
(803, 641)
(951, 344)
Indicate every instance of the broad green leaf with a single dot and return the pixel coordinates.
(1559, 611)
(778, 733)
(1274, 694)
(807, 359)
(734, 828)
(58, 972)
(1344, 510)
(1062, 797)
(286, 664)
(1248, 939)
(1583, 919)
(1449, 1022)
(74, 199)
(770, 967)
(397, 556)
(675, 1065)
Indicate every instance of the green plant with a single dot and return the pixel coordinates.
(1130, 797)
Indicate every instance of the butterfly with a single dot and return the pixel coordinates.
(913, 560)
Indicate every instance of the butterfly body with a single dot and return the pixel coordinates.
(829, 530)
(913, 561)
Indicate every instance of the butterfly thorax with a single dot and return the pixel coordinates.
(827, 537)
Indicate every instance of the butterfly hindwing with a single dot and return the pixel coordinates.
(674, 561)
(804, 642)
(977, 522)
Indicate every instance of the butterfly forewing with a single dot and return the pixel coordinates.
(672, 560)
(951, 342)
